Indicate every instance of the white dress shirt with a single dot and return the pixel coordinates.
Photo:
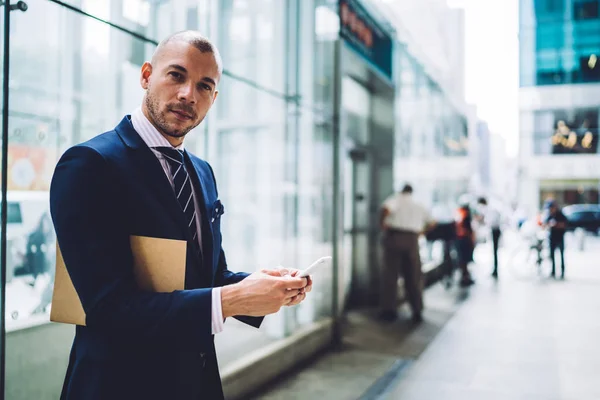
(405, 213)
(152, 137)
(491, 217)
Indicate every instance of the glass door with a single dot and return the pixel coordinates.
(355, 132)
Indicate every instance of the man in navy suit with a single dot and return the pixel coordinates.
(138, 179)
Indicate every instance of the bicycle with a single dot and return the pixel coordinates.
(530, 256)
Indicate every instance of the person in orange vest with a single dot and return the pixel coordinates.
(465, 243)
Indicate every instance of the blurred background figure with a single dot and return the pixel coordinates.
(465, 243)
(40, 256)
(490, 217)
(38, 247)
(557, 223)
(402, 221)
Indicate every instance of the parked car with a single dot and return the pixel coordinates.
(585, 216)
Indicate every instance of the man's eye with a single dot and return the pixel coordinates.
(175, 75)
(206, 87)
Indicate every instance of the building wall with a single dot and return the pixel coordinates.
(433, 148)
(560, 42)
(484, 155)
(434, 127)
(559, 101)
(434, 34)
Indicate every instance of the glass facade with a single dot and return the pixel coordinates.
(428, 125)
(269, 138)
(428, 128)
(560, 45)
(560, 42)
(560, 108)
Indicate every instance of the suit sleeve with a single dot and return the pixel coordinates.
(226, 277)
(91, 229)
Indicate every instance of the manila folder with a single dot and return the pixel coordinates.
(158, 264)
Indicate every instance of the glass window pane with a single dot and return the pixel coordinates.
(72, 78)
(272, 158)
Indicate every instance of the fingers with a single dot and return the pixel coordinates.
(275, 272)
(288, 294)
(294, 272)
(294, 283)
(296, 299)
(309, 284)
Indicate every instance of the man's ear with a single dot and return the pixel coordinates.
(215, 96)
(145, 75)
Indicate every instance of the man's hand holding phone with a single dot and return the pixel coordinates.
(295, 273)
(266, 291)
(304, 274)
(262, 293)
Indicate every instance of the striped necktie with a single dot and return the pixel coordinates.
(182, 186)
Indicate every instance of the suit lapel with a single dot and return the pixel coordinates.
(151, 172)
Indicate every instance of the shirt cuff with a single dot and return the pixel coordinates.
(218, 324)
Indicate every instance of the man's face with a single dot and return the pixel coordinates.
(180, 88)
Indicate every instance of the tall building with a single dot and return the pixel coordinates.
(434, 124)
(559, 101)
(434, 33)
(492, 168)
(483, 155)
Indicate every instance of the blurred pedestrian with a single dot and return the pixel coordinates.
(491, 219)
(465, 243)
(402, 221)
(557, 222)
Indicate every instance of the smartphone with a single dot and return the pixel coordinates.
(314, 266)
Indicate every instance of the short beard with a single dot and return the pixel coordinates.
(159, 119)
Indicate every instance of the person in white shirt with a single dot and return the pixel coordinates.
(402, 221)
(491, 218)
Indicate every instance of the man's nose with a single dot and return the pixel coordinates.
(187, 94)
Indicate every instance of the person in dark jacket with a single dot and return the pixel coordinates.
(138, 179)
(556, 221)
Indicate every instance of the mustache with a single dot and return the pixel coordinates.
(183, 108)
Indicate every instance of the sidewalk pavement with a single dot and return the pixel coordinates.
(513, 339)
(518, 339)
(371, 350)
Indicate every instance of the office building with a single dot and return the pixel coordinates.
(559, 102)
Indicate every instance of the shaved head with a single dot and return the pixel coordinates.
(192, 38)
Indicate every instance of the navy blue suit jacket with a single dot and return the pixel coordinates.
(136, 345)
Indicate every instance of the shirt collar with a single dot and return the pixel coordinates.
(148, 132)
